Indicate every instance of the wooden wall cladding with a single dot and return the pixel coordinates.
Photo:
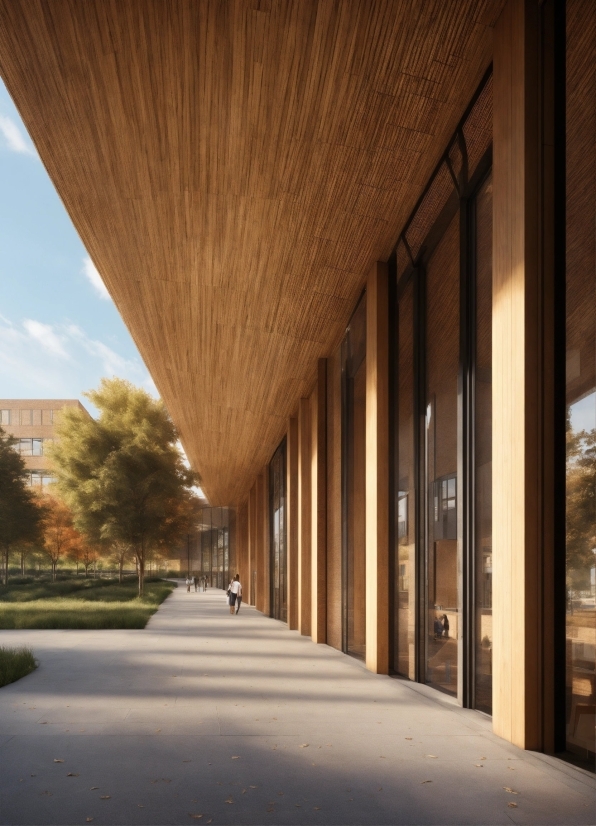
(234, 169)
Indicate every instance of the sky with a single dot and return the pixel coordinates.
(60, 332)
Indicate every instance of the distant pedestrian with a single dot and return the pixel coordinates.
(445, 625)
(236, 588)
(188, 585)
(194, 582)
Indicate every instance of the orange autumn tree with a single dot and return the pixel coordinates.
(59, 534)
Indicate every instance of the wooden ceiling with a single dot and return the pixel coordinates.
(234, 168)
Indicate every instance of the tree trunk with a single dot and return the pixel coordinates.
(120, 566)
(22, 563)
(5, 555)
(54, 566)
(141, 577)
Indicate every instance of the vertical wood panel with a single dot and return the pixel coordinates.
(252, 539)
(260, 541)
(304, 517)
(319, 505)
(377, 471)
(292, 521)
(517, 402)
(334, 594)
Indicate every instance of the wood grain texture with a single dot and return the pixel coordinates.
(252, 544)
(234, 170)
(262, 558)
(377, 470)
(517, 387)
(318, 498)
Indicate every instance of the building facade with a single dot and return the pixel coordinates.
(32, 422)
(366, 239)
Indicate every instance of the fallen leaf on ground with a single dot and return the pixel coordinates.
(304, 745)
(434, 756)
(507, 789)
(482, 758)
(512, 805)
(157, 729)
(382, 757)
(298, 805)
(44, 723)
(72, 774)
(479, 765)
(140, 806)
(408, 738)
(105, 796)
(187, 761)
(94, 788)
(380, 789)
(57, 760)
(511, 769)
(425, 781)
(229, 800)
(88, 819)
(317, 808)
(196, 817)
(235, 757)
(210, 820)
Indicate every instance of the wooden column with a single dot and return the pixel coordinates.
(304, 518)
(292, 520)
(318, 510)
(242, 545)
(252, 541)
(518, 540)
(377, 471)
(260, 542)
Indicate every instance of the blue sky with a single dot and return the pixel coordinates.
(59, 330)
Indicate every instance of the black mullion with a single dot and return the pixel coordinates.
(393, 451)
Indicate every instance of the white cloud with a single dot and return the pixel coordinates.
(40, 360)
(91, 272)
(14, 138)
(45, 335)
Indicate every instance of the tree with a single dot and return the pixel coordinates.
(121, 551)
(122, 474)
(20, 510)
(580, 507)
(60, 536)
(83, 553)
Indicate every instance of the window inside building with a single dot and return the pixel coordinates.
(26, 417)
(278, 546)
(5, 418)
(580, 516)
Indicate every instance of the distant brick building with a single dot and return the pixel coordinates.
(32, 422)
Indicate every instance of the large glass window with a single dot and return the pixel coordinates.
(354, 568)
(482, 217)
(4, 417)
(405, 506)
(278, 566)
(442, 366)
(581, 379)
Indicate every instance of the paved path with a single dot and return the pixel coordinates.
(236, 720)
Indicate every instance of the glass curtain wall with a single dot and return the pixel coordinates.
(209, 547)
(405, 512)
(443, 422)
(580, 300)
(482, 254)
(278, 546)
(353, 471)
(442, 366)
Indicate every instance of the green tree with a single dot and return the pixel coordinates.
(122, 474)
(20, 510)
(580, 506)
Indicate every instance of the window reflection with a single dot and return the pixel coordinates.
(581, 382)
(277, 475)
(442, 365)
(483, 213)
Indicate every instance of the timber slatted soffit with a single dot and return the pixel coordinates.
(234, 168)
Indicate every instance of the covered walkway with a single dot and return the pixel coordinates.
(210, 718)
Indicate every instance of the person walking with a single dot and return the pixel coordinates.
(187, 585)
(195, 583)
(236, 589)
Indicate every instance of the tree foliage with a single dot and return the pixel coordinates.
(60, 536)
(20, 510)
(580, 506)
(122, 474)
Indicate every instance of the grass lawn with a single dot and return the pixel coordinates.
(15, 663)
(79, 603)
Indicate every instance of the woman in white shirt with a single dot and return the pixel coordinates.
(235, 594)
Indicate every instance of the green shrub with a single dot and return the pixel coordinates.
(15, 663)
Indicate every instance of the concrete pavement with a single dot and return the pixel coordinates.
(204, 717)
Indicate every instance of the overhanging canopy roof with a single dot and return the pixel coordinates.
(234, 168)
